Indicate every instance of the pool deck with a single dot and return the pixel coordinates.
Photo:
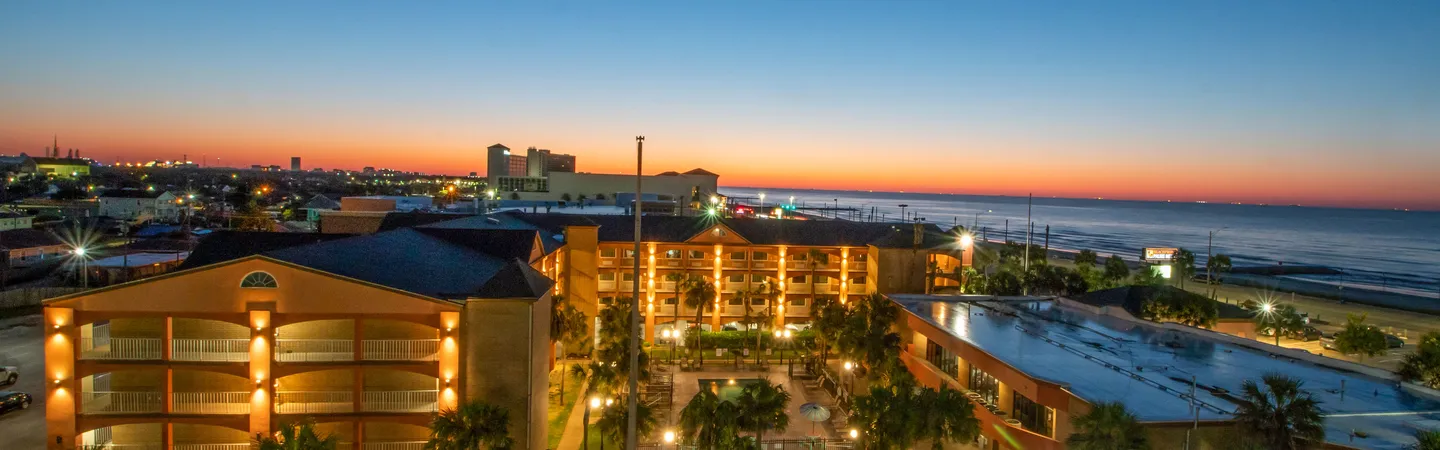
(687, 384)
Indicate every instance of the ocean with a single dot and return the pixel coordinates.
(1383, 250)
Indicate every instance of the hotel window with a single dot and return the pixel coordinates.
(671, 301)
(627, 277)
(628, 253)
(860, 257)
(822, 279)
(797, 302)
(857, 280)
(672, 254)
(757, 302)
(738, 256)
(737, 278)
(1033, 416)
(607, 277)
(759, 256)
(607, 301)
(800, 257)
(737, 302)
(987, 386)
(757, 278)
(607, 253)
(696, 254)
(797, 279)
(942, 358)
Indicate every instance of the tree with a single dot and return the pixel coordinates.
(889, 417)
(698, 293)
(762, 408)
(297, 436)
(1108, 426)
(828, 318)
(814, 259)
(1184, 265)
(1115, 270)
(612, 352)
(1281, 415)
(566, 324)
(1280, 319)
(613, 422)
(1218, 264)
(473, 425)
(1426, 440)
(708, 422)
(866, 335)
(1423, 366)
(565, 197)
(1360, 339)
(1146, 276)
(1086, 257)
(948, 417)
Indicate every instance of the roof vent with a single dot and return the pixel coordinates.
(492, 220)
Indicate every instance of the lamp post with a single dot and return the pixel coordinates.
(669, 437)
(849, 377)
(784, 337)
(585, 437)
(966, 241)
(762, 201)
(84, 268)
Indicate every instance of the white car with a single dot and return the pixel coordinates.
(10, 374)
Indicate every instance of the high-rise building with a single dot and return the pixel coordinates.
(295, 163)
(497, 161)
(535, 162)
(559, 162)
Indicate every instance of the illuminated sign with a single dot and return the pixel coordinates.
(1159, 254)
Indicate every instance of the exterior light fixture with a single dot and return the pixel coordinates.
(669, 436)
(594, 402)
(966, 240)
(849, 365)
(854, 433)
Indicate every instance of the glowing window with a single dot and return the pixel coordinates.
(258, 280)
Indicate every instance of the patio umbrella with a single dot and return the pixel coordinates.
(814, 413)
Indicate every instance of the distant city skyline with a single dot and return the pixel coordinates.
(1325, 104)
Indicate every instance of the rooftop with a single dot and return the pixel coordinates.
(1148, 368)
(138, 259)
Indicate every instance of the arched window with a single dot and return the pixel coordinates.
(258, 279)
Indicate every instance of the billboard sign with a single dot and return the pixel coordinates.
(1159, 255)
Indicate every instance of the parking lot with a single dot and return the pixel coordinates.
(20, 346)
(1389, 361)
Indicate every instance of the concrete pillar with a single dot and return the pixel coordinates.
(359, 434)
(169, 393)
(648, 302)
(784, 282)
(261, 403)
(61, 387)
(844, 274)
(449, 359)
(719, 288)
(357, 390)
(358, 343)
(166, 345)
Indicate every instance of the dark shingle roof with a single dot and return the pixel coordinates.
(131, 193)
(27, 238)
(226, 245)
(515, 280)
(615, 228)
(396, 220)
(1133, 297)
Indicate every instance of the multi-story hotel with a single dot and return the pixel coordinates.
(368, 335)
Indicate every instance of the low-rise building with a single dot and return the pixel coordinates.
(15, 221)
(30, 247)
(139, 204)
(62, 167)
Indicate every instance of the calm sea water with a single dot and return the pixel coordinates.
(1380, 249)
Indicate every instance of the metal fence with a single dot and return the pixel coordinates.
(113, 348)
(790, 444)
(314, 402)
(402, 350)
(400, 401)
(210, 403)
(224, 350)
(121, 402)
(314, 350)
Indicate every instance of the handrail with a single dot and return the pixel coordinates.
(225, 350)
(402, 350)
(121, 402)
(114, 348)
(210, 403)
(314, 402)
(314, 350)
(400, 401)
(396, 445)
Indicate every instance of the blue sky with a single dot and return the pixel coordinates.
(1311, 101)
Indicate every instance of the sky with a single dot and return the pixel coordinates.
(1313, 102)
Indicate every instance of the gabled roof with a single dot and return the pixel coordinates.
(411, 219)
(515, 280)
(321, 201)
(699, 171)
(618, 228)
(27, 238)
(226, 245)
(498, 145)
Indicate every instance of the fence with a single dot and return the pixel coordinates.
(211, 403)
(400, 401)
(237, 446)
(225, 350)
(119, 348)
(116, 402)
(408, 445)
(314, 350)
(792, 444)
(314, 402)
(402, 350)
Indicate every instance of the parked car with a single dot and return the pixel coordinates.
(1327, 342)
(10, 400)
(1393, 341)
(1306, 334)
(10, 374)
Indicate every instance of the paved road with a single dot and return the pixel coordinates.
(1407, 325)
(20, 345)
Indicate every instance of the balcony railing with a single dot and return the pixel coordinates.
(668, 263)
(855, 265)
(314, 402)
(120, 348)
(762, 264)
(855, 288)
(737, 264)
(605, 286)
(314, 350)
(121, 402)
(400, 401)
(224, 350)
(210, 403)
(407, 445)
(234, 446)
(402, 350)
(111, 446)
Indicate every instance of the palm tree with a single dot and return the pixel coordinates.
(889, 417)
(566, 324)
(297, 436)
(613, 422)
(1281, 415)
(698, 291)
(816, 258)
(1108, 426)
(474, 425)
(708, 422)
(948, 416)
(762, 407)
(1426, 440)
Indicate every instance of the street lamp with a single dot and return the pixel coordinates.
(966, 240)
(669, 436)
(850, 377)
(854, 434)
(84, 267)
(784, 337)
(762, 201)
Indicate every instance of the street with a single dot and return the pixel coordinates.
(20, 346)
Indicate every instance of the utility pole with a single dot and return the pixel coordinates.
(1029, 204)
(630, 438)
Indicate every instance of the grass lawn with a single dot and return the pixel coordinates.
(559, 410)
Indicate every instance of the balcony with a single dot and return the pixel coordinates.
(767, 265)
(121, 402)
(119, 349)
(606, 286)
(210, 350)
(858, 266)
(210, 403)
(407, 445)
(402, 350)
(145, 446)
(314, 350)
(736, 264)
(236, 446)
(342, 402)
(669, 263)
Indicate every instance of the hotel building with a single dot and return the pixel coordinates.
(368, 335)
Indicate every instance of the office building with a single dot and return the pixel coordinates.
(294, 163)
